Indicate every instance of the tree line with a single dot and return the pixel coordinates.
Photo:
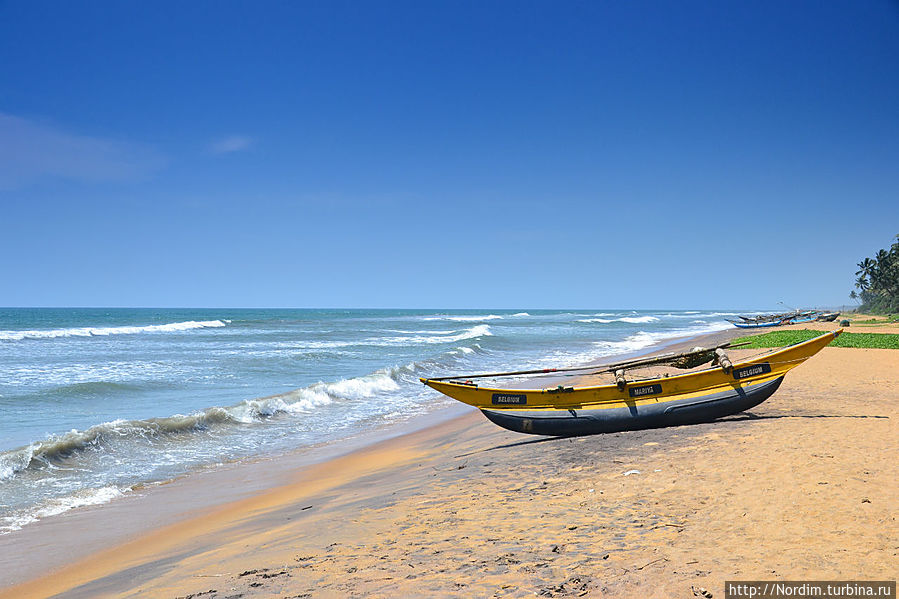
(877, 281)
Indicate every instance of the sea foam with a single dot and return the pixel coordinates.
(644, 339)
(469, 318)
(44, 454)
(172, 327)
(627, 319)
(481, 330)
(59, 505)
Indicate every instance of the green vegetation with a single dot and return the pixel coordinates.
(878, 282)
(782, 338)
(890, 318)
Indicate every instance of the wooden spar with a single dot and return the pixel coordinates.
(603, 368)
(498, 374)
(620, 382)
(723, 360)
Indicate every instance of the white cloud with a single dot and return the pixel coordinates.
(31, 150)
(233, 143)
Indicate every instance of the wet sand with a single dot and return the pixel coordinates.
(801, 487)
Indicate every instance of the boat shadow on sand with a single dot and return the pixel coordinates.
(736, 418)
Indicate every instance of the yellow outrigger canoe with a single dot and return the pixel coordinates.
(689, 398)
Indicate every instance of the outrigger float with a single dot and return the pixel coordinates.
(723, 389)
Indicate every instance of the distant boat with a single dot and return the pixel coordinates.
(633, 404)
(754, 324)
(828, 316)
(808, 316)
(773, 320)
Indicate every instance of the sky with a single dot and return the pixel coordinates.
(455, 154)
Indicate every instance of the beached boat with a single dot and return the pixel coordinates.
(828, 316)
(744, 324)
(632, 404)
(774, 320)
(762, 320)
(809, 316)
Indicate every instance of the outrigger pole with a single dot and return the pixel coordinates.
(603, 367)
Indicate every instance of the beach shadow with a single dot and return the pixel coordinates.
(742, 417)
(518, 444)
(143, 572)
(751, 416)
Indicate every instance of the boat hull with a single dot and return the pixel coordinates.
(677, 412)
(802, 319)
(755, 325)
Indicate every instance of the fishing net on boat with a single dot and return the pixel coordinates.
(696, 357)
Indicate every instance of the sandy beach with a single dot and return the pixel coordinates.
(802, 487)
(295, 293)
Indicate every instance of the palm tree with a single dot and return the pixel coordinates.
(877, 280)
(865, 267)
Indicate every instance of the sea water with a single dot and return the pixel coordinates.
(96, 402)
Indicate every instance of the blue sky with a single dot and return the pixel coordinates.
(445, 154)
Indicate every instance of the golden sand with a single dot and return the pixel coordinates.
(802, 487)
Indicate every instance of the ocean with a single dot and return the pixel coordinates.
(98, 403)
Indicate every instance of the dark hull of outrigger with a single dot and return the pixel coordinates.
(612, 420)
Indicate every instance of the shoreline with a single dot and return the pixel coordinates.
(391, 476)
(159, 504)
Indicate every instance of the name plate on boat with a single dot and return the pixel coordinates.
(644, 390)
(754, 370)
(505, 399)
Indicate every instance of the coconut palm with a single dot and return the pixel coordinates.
(865, 267)
(878, 281)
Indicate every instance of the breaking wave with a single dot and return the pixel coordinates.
(638, 319)
(173, 327)
(47, 453)
(468, 318)
(416, 337)
(644, 339)
(628, 319)
(696, 314)
(481, 330)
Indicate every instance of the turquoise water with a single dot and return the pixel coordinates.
(94, 402)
